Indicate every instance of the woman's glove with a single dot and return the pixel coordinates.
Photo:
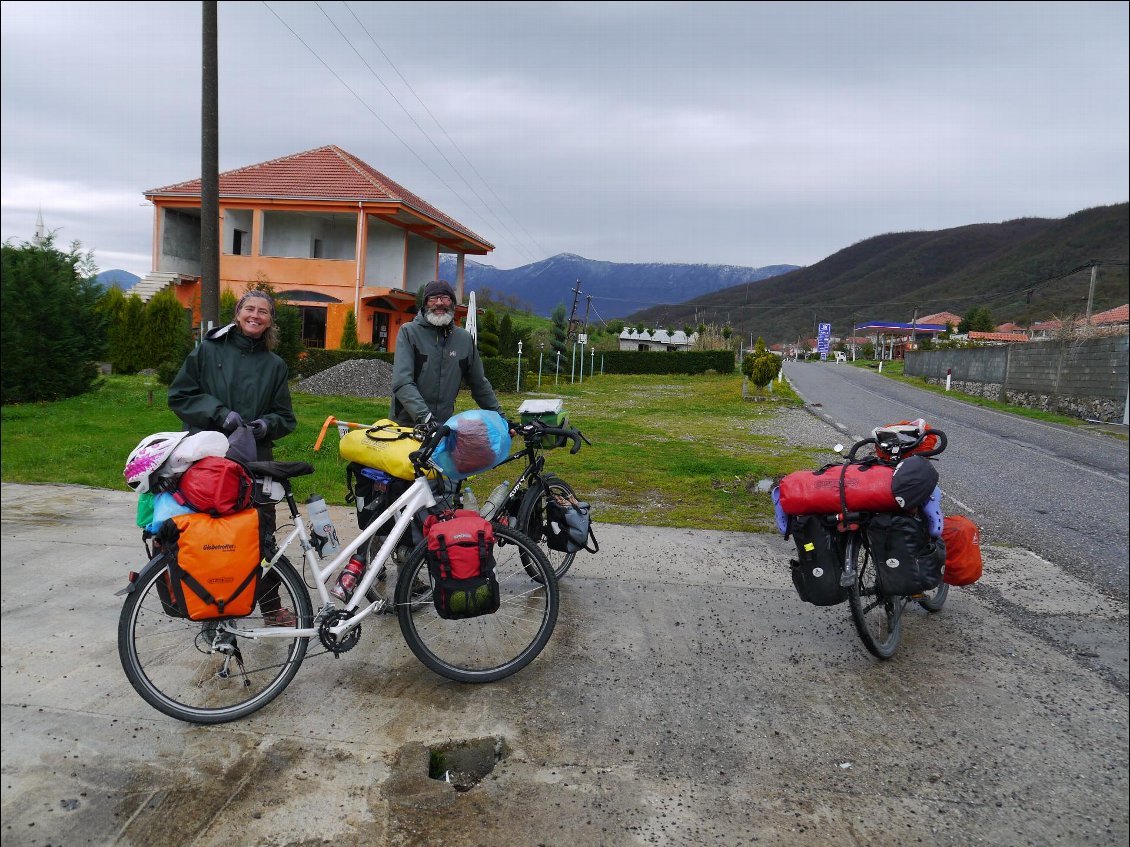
(258, 429)
(232, 421)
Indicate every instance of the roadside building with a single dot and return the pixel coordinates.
(324, 229)
(658, 339)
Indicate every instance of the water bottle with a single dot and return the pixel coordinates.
(347, 582)
(322, 530)
(495, 501)
(470, 501)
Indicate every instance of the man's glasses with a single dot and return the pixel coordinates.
(438, 298)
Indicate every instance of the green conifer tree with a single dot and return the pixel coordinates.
(52, 333)
(349, 332)
(560, 331)
(488, 334)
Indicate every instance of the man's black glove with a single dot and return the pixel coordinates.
(258, 429)
(233, 421)
(427, 426)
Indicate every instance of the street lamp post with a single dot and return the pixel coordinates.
(557, 370)
(541, 356)
(518, 387)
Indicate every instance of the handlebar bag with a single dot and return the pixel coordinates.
(819, 563)
(215, 485)
(477, 441)
(906, 429)
(460, 556)
(963, 550)
(867, 488)
(907, 560)
(214, 572)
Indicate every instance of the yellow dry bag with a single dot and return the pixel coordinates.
(384, 446)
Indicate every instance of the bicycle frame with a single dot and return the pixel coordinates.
(401, 512)
(534, 466)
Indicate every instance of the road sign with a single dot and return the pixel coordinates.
(824, 340)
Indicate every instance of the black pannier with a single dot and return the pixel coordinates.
(907, 560)
(819, 563)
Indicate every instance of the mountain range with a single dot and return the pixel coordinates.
(117, 278)
(617, 288)
(1023, 270)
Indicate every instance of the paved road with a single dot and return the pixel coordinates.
(687, 698)
(1058, 491)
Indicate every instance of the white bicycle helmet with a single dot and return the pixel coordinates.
(148, 456)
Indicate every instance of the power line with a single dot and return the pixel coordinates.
(416, 123)
(445, 133)
(368, 108)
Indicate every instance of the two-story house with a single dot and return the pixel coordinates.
(325, 229)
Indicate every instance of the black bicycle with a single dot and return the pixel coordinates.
(876, 614)
(526, 506)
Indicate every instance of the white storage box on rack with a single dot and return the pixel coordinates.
(551, 412)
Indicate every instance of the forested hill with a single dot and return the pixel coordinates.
(1023, 270)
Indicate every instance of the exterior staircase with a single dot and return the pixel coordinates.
(155, 283)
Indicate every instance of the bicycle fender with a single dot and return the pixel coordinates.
(155, 562)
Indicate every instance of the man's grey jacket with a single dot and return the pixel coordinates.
(429, 365)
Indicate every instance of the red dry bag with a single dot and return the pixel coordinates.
(867, 488)
(963, 550)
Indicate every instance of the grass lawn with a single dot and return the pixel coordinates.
(667, 450)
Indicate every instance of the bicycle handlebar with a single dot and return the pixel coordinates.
(534, 431)
(901, 449)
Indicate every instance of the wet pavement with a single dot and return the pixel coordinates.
(688, 697)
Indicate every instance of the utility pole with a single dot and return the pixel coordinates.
(572, 328)
(209, 174)
(914, 329)
(1091, 290)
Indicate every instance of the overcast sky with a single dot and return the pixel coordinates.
(731, 133)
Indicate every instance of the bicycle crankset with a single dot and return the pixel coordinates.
(333, 643)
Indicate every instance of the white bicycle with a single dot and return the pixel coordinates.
(215, 671)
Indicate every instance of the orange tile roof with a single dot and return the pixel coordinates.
(941, 318)
(1117, 315)
(324, 173)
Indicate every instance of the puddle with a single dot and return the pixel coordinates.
(464, 764)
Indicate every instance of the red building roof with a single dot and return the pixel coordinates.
(325, 173)
(1117, 315)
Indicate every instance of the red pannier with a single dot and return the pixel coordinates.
(867, 488)
(963, 550)
(460, 556)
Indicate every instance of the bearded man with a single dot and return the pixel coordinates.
(433, 358)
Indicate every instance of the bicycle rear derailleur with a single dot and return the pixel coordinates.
(333, 643)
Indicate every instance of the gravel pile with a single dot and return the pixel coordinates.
(353, 378)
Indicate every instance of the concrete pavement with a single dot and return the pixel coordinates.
(688, 697)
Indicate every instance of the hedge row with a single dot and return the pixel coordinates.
(503, 373)
(688, 362)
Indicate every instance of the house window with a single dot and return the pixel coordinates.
(241, 243)
(317, 251)
(313, 326)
